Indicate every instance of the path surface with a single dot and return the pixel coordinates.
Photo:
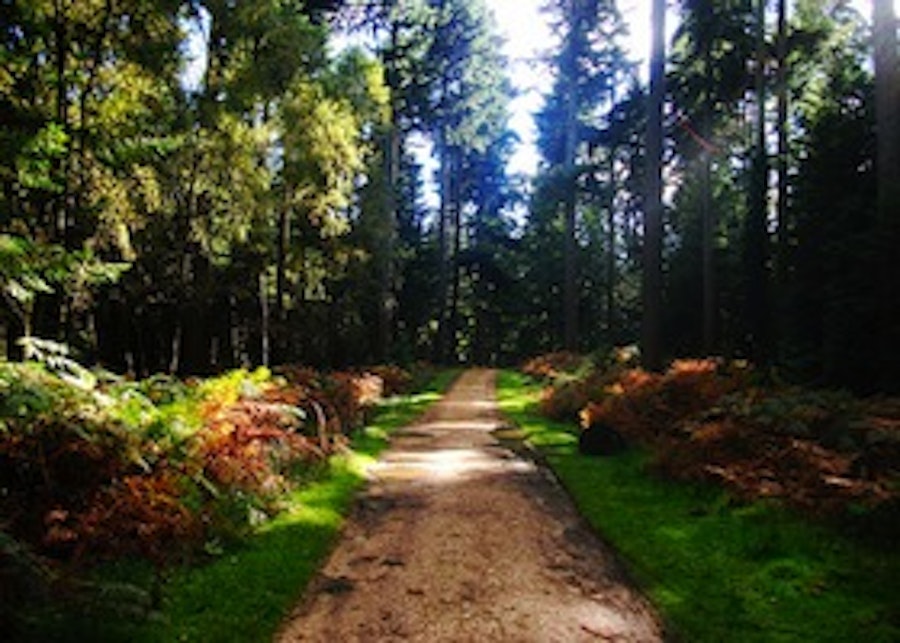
(459, 539)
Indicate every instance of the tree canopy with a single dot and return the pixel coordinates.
(276, 208)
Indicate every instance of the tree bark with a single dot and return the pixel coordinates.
(264, 320)
(443, 260)
(887, 112)
(570, 247)
(393, 151)
(887, 124)
(611, 329)
(756, 253)
(782, 129)
(651, 340)
(453, 326)
(708, 214)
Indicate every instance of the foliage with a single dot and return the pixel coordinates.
(159, 468)
(395, 380)
(553, 365)
(826, 453)
(242, 592)
(720, 568)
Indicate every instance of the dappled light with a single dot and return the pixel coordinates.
(448, 465)
(713, 420)
(709, 555)
(244, 244)
(459, 537)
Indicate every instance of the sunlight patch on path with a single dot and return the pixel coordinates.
(457, 538)
(447, 465)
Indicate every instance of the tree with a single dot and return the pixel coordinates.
(463, 100)
(588, 67)
(651, 347)
(887, 128)
(756, 250)
(707, 82)
(83, 85)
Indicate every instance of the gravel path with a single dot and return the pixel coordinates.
(459, 539)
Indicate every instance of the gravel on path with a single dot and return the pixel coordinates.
(458, 538)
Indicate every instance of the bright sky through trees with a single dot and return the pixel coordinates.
(528, 40)
(528, 37)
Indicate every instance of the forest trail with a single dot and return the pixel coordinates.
(457, 538)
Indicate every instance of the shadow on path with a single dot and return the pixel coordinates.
(457, 538)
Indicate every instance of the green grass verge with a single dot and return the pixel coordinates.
(243, 595)
(719, 570)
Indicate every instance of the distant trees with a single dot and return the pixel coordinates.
(769, 243)
(744, 202)
(574, 187)
(227, 199)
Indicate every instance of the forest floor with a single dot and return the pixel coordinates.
(458, 538)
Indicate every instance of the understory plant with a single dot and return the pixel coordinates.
(99, 468)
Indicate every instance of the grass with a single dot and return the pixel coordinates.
(244, 594)
(719, 570)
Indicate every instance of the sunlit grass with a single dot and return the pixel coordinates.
(245, 593)
(720, 570)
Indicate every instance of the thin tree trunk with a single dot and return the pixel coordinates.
(62, 116)
(393, 151)
(783, 225)
(782, 128)
(453, 326)
(284, 235)
(264, 320)
(710, 304)
(611, 328)
(443, 260)
(887, 112)
(388, 302)
(651, 329)
(887, 119)
(570, 247)
(757, 233)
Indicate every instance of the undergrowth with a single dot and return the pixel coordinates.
(719, 568)
(241, 589)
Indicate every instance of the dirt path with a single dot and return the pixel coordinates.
(459, 539)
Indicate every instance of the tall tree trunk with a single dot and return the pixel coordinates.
(783, 224)
(611, 329)
(887, 111)
(570, 252)
(570, 247)
(264, 320)
(708, 216)
(284, 236)
(393, 151)
(782, 129)
(453, 326)
(62, 117)
(757, 222)
(651, 328)
(443, 260)
(887, 118)
(710, 299)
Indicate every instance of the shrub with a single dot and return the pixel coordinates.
(821, 451)
(553, 365)
(395, 380)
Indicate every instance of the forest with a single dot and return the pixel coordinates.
(222, 245)
(272, 211)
